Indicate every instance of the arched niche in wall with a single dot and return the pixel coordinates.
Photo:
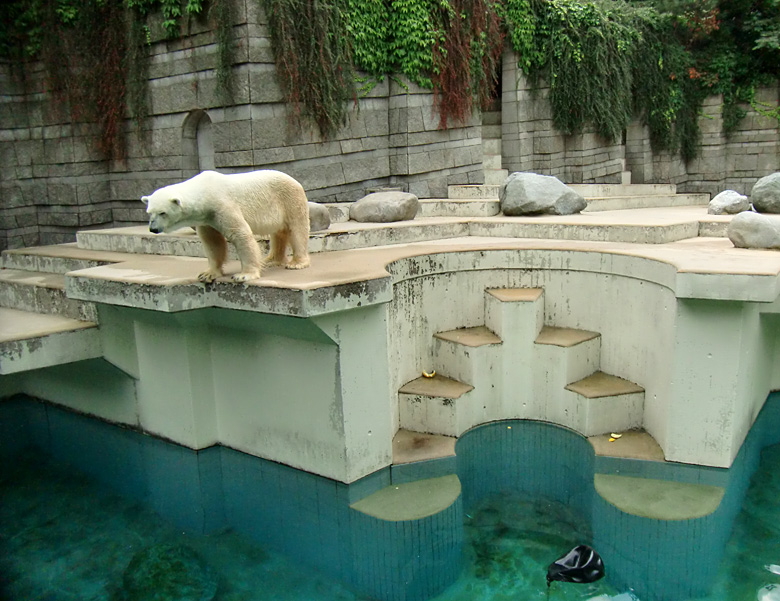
(197, 143)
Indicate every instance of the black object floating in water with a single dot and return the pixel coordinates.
(581, 565)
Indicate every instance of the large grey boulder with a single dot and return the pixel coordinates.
(765, 194)
(728, 202)
(319, 217)
(384, 207)
(534, 194)
(753, 230)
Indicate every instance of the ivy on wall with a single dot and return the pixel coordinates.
(95, 54)
(604, 60)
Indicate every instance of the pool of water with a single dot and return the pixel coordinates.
(63, 537)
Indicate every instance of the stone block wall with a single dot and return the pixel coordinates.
(53, 180)
(530, 141)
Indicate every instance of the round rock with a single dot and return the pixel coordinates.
(765, 194)
(753, 230)
(534, 194)
(319, 217)
(385, 207)
(728, 202)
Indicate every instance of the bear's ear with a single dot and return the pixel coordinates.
(145, 200)
(176, 201)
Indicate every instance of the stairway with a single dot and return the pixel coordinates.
(514, 367)
(39, 325)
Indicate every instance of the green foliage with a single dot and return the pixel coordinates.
(312, 52)
(368, 26)
(96, 53)
(605, 60)
(466, 58)
(521, 24)
(414, 35)
(584, 50)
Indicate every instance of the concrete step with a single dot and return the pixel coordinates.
(411, 501)
(658, 499)
(411, 447)
(562, 356)
(602, 403)
(39, 292)
(430, 405)
(575, 352)
(610, 226)
(473, 191)
(459, 208)
(469, 355)
(632, 444)
(473, 337)
(615, 203)
(32, 340)
(340, 236)
(60, 258)
(514, 313)
(602, 190)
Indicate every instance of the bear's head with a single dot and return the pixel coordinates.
(164, 210)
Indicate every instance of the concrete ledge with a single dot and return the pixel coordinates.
(634, 444)
(409, 447)
(32, 340)
(564, 337)
(411, 501)
(704, 268)
(600, 385)
(436, 387)
(658, 499)
(474, 337)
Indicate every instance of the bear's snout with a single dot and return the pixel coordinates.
(155, 229)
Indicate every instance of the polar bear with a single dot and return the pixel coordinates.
(233, 208)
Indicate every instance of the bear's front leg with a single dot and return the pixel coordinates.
(240, 235)
(216, 252)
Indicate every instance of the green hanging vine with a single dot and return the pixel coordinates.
(313, 59)
(95, 54)
(466, 59)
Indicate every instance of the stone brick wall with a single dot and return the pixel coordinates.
(53, 181)
(530, 142)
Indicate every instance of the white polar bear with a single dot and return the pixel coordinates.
(233, 208)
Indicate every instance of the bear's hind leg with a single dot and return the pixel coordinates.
(278, 248)
(299, 240)
(216, 251)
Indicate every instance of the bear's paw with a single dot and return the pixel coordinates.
(245, 276)
(209, 276)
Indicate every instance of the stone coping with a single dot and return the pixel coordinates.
(702, 268)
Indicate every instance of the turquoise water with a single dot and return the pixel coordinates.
(62, 538)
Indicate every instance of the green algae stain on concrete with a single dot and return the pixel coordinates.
(658, 499)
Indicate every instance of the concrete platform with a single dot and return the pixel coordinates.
(34, 340)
